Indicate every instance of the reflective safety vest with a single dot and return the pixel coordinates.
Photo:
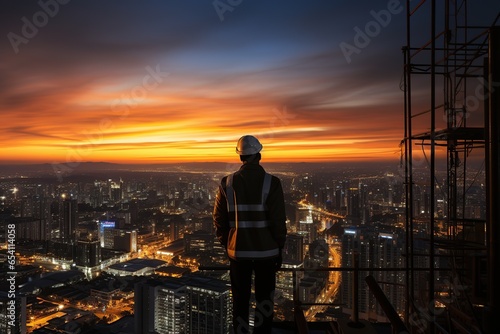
(249, 235)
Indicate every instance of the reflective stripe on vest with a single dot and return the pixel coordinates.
(231, 200)
(251, 224)
(251, 207)
(230, 193)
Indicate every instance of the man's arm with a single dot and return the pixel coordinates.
(276, 205)
(220, 217)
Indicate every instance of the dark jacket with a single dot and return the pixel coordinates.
(252, 224)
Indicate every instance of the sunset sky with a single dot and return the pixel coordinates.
(168, 81)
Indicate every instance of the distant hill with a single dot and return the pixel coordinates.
(65, 169)
(46, 168)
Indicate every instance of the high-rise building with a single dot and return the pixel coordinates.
(293, 252)
(38, 207)
(96, 197)
(189, 304)
(285, 279)
(307, 225)
(123, 218)
(125, 240)
(209, 306)
(104, 226)
(170, 306)
(374, 249)
(115, 191)
(353, 207)
(145, 296)
(293, 258)
(88, 253)
(319, 252)
(68, 220)
(364, 207)
(356, 242)
(388, 254)
(109, 237)
(29, 228)
(117, 238)
(339, 198)
(176, 229)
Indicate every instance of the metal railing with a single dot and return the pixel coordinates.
(301, 324)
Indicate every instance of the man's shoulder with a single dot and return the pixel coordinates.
(275, 179)
(223, 181)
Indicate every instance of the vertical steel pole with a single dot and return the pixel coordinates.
(406, 51)
(433, 159)
(409, 166)
(494, 177)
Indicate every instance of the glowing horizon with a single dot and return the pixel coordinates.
(162, 82)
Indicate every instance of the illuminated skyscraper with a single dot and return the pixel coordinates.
(170, 306)
(375, 249)
(209, 306)
(353, 207)
(115, 191)
(356, 240)
(103, 227)
(306, 225)
(119, 239)
(38, 207)
(190, 304)
(68, 220)
(293, 257)
(293, 252)
(388, 254)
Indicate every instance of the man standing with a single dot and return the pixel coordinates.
(249, 219)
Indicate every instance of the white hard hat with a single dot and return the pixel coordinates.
(248, 145)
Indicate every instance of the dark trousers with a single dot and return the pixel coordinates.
(265, 283)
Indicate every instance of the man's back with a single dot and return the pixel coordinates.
(249, 220)
(249, 214)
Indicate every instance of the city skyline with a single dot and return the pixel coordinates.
(181, 82)
(106, 230)
(135, 226)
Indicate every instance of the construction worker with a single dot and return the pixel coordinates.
(249, 219)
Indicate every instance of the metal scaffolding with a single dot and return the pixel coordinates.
(451, 162)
